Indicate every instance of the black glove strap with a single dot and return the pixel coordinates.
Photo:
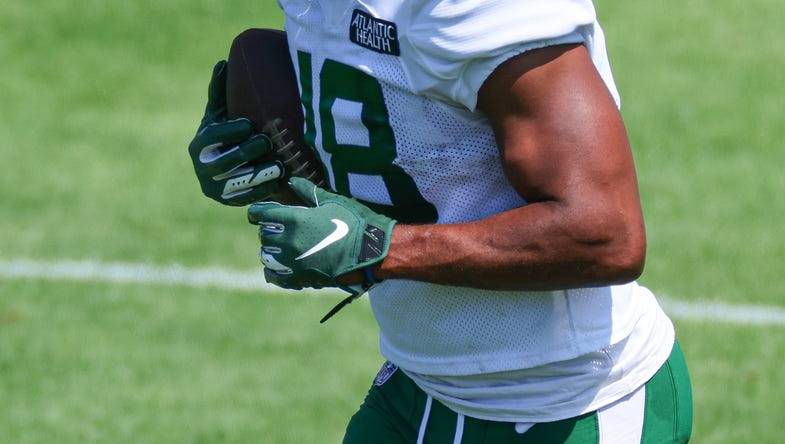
(370, 278)
(370, 281)
(348, 300)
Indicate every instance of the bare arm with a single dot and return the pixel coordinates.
(565, 150)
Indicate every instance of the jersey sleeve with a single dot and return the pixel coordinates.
(449, 48)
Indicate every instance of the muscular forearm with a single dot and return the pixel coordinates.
(565, 150)
(543, 246)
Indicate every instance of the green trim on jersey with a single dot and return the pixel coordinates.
(345, 82)
(396, 411)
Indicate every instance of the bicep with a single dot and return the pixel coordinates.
(558, 128)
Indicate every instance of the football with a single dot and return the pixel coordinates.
(261, 85)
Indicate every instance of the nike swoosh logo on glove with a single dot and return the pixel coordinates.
(341, 230)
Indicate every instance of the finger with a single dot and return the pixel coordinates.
(216, 92)
(256, 194)
(310, 193)
(217, 160)
(245, 180)
(228, 133)
(212, 140)
(268, 212)
(267, 232)
(215, 110)
(271, 262)
(283, 281)
(305, 189)
(215, 141)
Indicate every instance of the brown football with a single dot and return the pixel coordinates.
(261, 85)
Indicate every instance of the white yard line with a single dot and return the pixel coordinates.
(741, 314)
(129, 273)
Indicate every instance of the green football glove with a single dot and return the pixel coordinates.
(313, 246)
(226, 155)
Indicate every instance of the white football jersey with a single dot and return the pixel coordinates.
(389, 90)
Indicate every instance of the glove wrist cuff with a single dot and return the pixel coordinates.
(370, 277)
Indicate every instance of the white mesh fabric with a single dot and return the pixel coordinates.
(566, 388)
(451, 154)
(369, 188)
(352, 132)
(442, 330)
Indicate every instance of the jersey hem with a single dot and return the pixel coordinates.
(481, 364)
(623, 390)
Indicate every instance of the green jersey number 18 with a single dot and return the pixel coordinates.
(340, 81)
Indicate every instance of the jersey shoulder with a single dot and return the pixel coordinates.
(474, 27)
(444, 49)
(449, 48)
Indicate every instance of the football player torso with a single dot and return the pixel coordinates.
(389, 90)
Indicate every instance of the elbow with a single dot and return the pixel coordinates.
(614, 248)
(623, 257)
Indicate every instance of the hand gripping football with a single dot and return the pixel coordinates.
(261, 86)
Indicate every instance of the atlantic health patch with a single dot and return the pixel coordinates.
(374, 34)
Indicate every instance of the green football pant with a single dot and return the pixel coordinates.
(396, 411)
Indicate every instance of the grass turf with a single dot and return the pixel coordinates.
(97, 363)
(100, 100)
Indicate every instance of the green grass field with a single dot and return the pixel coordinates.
(99, 100)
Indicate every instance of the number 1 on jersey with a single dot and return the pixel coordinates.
(340, 81)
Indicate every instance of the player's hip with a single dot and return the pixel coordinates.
(397, 411)
(485, 331)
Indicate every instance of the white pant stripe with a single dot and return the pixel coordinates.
(424, 422)
(458, 430)
(622, 421)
